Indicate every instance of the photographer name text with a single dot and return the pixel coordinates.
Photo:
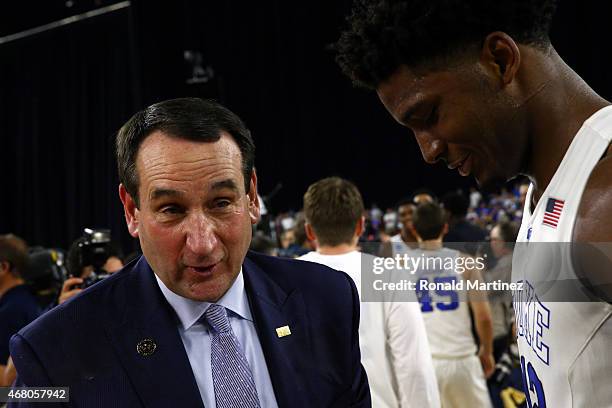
(458, 285)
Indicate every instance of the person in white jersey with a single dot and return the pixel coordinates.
(483, 90)
(394, 347)
(405, 239)
(461, 367)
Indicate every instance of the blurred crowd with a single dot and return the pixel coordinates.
(35, 279)
(476, 224)
(471, 217)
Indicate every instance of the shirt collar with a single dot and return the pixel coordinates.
(189, 311)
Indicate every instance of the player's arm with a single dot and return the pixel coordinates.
(483, 322)
(410, 355)
(360, 387)
(592, 248)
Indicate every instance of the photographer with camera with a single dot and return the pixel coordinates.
(91, 258)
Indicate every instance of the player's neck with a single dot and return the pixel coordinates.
(336, 250)
(431, 245)
(557, 112)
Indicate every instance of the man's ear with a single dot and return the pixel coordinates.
(5, 267)
(254, 206)
(130, 210)
(360, 226)
(501, 56)
(310, 232)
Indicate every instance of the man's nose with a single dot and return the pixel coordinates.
(432, 148)
(201, 235)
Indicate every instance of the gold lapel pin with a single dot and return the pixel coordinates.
(283, 331)
(146, 347)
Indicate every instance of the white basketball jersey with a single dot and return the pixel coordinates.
(398, 245)
(565, 346)
(393, 383)
(446, 315)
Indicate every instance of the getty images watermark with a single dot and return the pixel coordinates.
(423, 265)
(497, 272)
(438, 275)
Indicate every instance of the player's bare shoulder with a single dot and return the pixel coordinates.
(594, 219)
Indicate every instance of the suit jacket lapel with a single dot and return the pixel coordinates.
(272, 308)
(163, 378)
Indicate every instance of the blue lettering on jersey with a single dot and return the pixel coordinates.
(529, 230)
(532, 320)
(532, 384)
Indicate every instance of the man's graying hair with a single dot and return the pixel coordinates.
(185, 118)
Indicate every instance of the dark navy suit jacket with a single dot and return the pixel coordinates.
(90, 342)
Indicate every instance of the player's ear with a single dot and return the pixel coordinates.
(360, 226)
(254, 206)
(130, 210)
(445, 229)
(310, 232)
(5, 267)
(500, 56)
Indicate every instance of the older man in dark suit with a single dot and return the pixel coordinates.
(197, 321)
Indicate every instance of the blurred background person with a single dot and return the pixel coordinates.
(18, 306)
(296, 241)
(507, 377)
(286, 239)
(262, 244)
(502, 238)
(461, 376)
(462, 234)
(390, 221)
(405, 239)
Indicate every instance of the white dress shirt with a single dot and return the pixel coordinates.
(197, 339)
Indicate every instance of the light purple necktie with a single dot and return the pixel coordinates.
(232, 377)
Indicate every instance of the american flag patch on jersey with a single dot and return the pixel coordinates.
(553, 212)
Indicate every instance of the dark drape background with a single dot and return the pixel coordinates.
(65, 92)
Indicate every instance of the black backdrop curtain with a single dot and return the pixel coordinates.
(64, 93)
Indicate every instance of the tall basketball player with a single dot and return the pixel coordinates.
(482, 89)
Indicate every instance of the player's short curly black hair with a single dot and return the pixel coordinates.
(384, 34)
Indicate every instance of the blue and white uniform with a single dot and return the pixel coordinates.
(460, 376)
(564, 338)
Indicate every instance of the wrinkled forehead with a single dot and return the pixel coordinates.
(161, 154)
(161, 143)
